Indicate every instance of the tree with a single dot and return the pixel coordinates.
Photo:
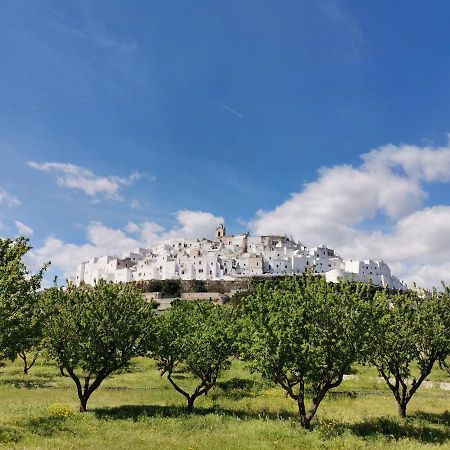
(198, 335)
(30, 344)
(20, 314)
(410, 337)
(444, 359)
(95, 331)
(303, 334)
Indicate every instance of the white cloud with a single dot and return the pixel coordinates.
(419, 163)
(103, 240)
(84, 180)
(387, 190)
(23, 230)
(8, 199)
(190, 224)
(341, 198)
(194, 224)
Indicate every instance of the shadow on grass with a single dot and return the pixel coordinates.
(413, 428)
(238, 388)
(32, 381)
(46, 425)
(400, 428)
(439, 419)
(137, 412)
(26, 383)
(10, 434)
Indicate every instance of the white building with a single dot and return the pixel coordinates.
(231, 257)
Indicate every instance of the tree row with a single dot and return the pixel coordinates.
(299, 332)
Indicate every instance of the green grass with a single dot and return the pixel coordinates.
(139, 409)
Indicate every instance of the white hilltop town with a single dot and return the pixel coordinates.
(230, 258)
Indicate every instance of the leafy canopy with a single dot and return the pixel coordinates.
(94, 331)
(20, 317)
(412, 333)
(302, 332)
(199, 336)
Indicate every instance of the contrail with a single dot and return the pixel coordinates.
(225, 107)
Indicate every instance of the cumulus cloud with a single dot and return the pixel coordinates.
(8, 199)
(23, 230)
(418, 163)
(192, 224)
(102, 240)
(374, 210)
(341, 198)
(76, 177)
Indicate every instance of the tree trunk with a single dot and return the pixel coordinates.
(23, 357)
(26, 366)
(86, 392)
(305, 421)
(83, 404)
(190, 404)
(402, 409)
(307, 416)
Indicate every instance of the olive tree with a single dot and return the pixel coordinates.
(303, 333)
(95, 331)
(411, 335)
(198, 336)
(20, 313)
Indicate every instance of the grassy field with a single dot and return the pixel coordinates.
(139, 409)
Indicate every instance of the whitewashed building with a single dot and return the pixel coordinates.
(231, 257)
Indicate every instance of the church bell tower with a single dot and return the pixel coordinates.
(220, 231)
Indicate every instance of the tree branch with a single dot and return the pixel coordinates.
(177, 388)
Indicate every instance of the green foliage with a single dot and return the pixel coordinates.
(410, 332)
(303, 333)
(197, 286)
(171, 287)
(198, 335)
(444, 360)
(150, 286)
(20, 315)
(167, 287)
(96, 330)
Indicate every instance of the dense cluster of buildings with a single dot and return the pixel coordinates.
(230, 257)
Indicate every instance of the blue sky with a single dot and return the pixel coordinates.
(127, 122)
